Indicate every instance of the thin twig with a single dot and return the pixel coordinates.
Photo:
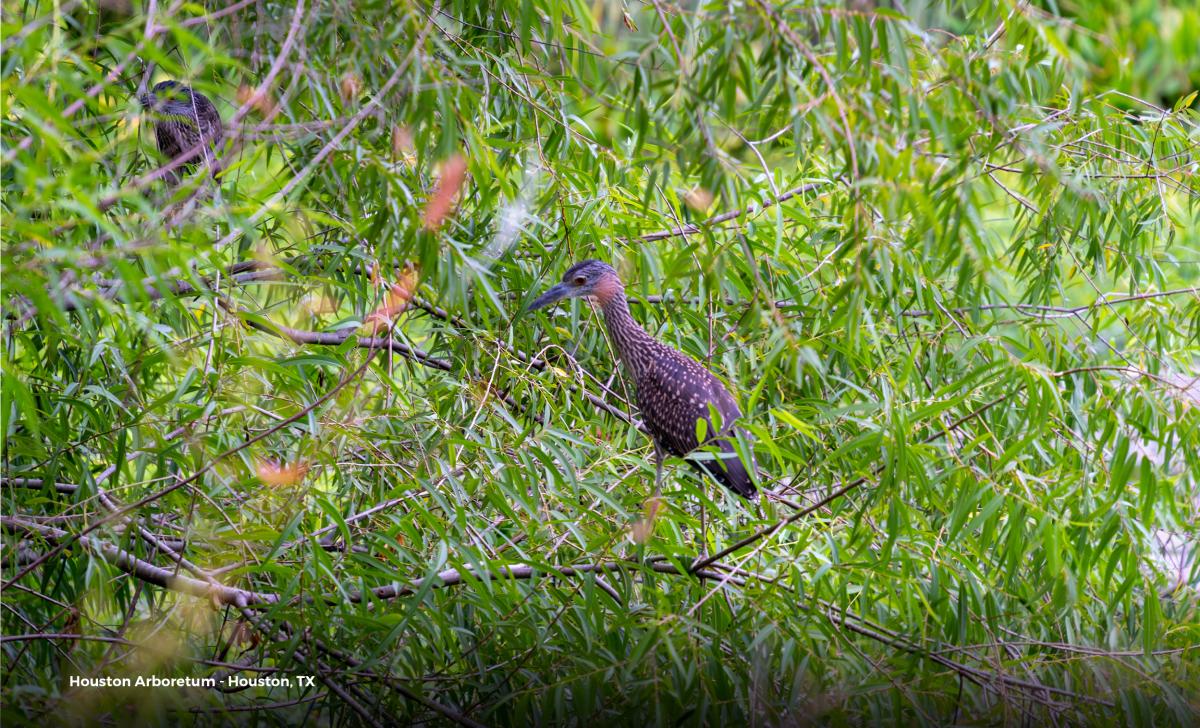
(725, 217)
(157, 495)
(765, 532)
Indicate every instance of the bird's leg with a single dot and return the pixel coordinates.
(658, 471)
(644, 528)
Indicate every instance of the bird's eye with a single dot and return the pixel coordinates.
(580, 280)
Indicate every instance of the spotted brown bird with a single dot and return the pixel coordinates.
(186, 124)
(673, 391)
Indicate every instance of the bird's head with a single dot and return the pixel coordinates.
(590, 278)
(169, 98)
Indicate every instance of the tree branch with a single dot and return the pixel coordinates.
(769, 530)
(143, 570)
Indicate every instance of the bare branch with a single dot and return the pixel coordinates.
(143, 570)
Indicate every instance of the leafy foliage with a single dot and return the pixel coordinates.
(296, 421)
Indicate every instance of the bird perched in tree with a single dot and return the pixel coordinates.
(673, 391)
(186, 124)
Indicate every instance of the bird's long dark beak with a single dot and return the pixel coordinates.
(553, 295)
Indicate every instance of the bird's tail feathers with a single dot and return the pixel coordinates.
(728, 470)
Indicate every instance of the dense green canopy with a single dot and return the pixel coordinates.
(295, 423)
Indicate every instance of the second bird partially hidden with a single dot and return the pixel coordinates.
(673, 391)
(186, 126)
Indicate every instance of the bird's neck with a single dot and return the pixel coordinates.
(627, 335)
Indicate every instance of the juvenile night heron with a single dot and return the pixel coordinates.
(185, 123)
(673, 391)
